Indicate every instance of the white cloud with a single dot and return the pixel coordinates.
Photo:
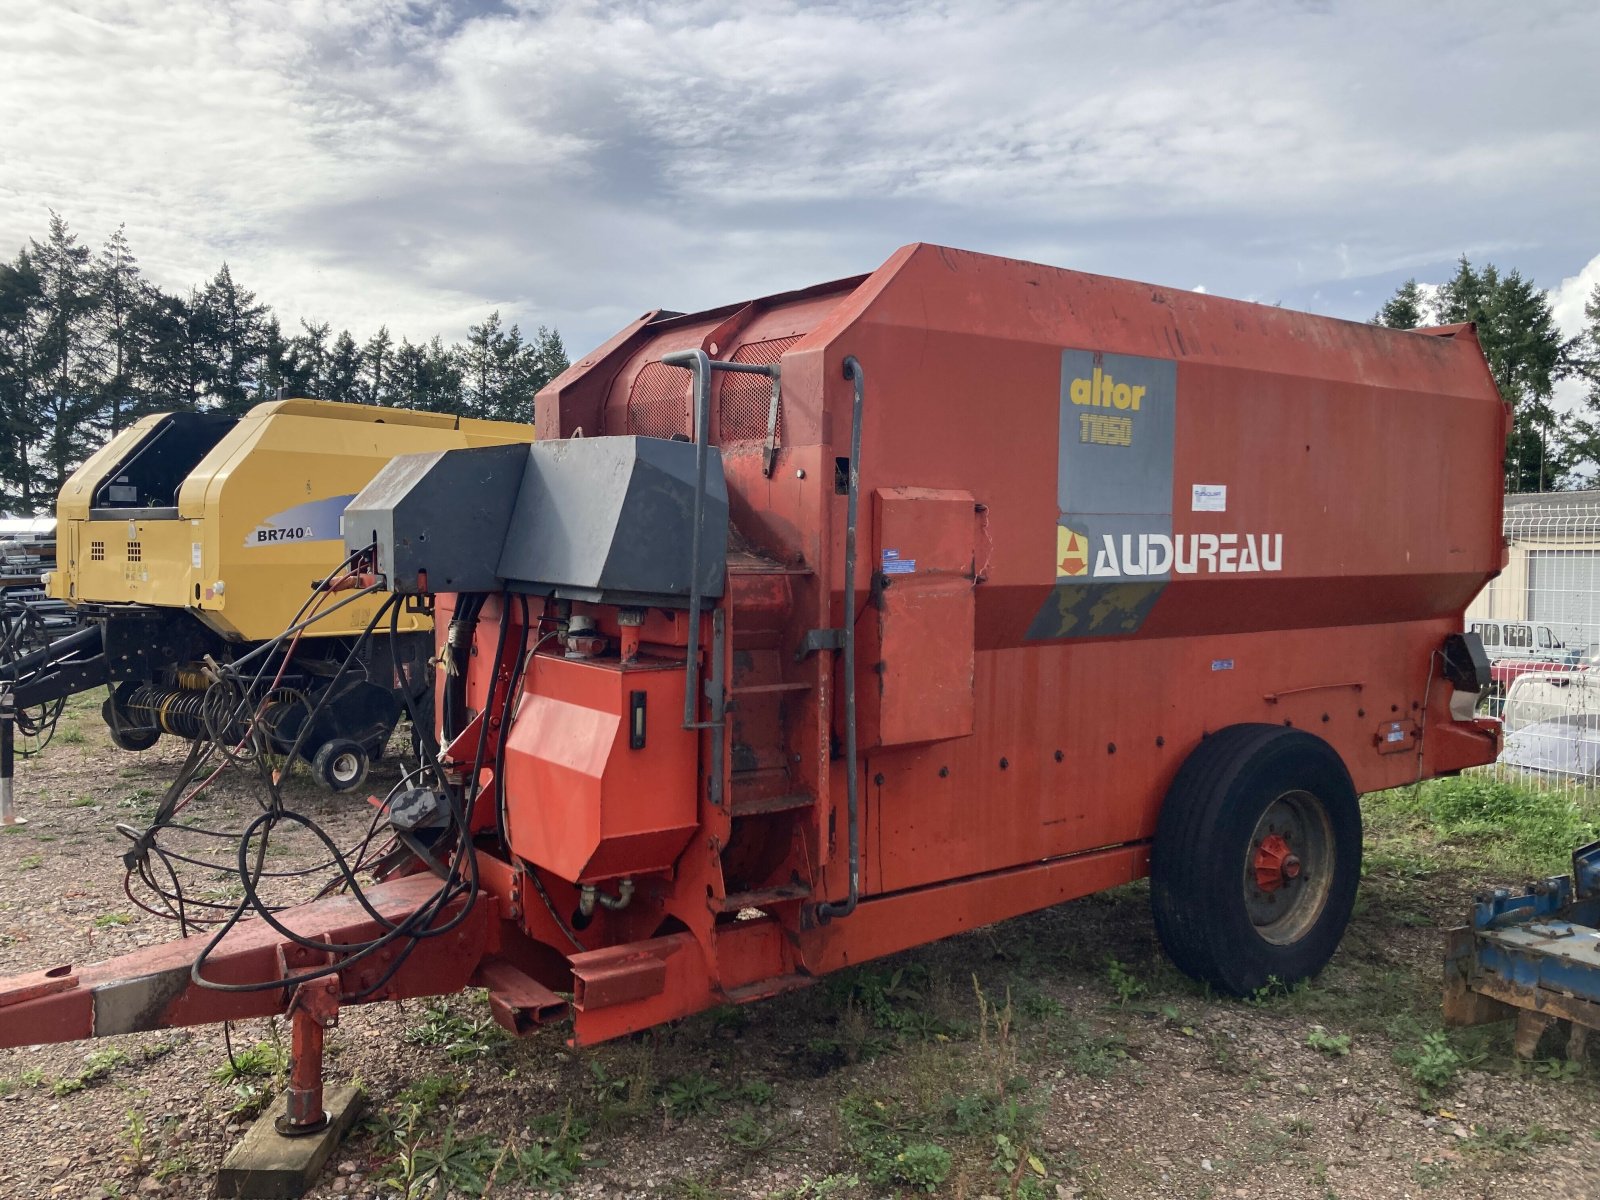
(1567, 300)
(578, 161)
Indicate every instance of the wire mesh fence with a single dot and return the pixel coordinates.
(1540, 625)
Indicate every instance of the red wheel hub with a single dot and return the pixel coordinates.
(1275, 864)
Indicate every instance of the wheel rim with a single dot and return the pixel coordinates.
(345, 767)
(1289, 868)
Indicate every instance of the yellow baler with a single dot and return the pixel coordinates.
(200, 534)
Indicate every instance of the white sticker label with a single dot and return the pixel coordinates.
(893, 564)
(1210, 497)
(194, 555)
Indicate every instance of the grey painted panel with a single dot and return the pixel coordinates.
(613, 516)
(443, 514)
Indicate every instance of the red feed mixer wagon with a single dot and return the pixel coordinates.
(833, 623)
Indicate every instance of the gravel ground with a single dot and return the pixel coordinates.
(1127, 1080)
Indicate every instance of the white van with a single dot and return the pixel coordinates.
(1516, 639)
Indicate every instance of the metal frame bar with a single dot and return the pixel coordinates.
(826, 911)
(699, 364)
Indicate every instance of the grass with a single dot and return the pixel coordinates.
(261, 1061)
(1479, 822)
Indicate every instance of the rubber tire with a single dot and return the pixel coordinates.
(327, 753)
(124, 736)
(1202, 840)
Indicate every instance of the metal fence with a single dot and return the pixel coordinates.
(1540, 624)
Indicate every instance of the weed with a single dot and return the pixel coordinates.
(692, 1095)
(261, 1061)
(730, 1019)
(431, 1091)
(111, 920)
(461, 1038)
(1516, 1141)
(33, 1077)
(1334, 1045)
(71, 736)
(1088, 1053)
(85, 802)
(248, 1100)
(1433, 1063)
(1039, 1005)
(96, 1066)
(555, 1156)
(758, 1092)
(1124, 982)
(1430, 1175)
(173, 1166)
(820, 1189)
(1273, 989)
(878, 1133)
(685, 1188)
(921, 1166)
(996, 1047)
(751, 1135)
(135, 1133)
(989, 1115)
(624, 1095)
(1558, 1070)
(898, 1002)
(452, 1164)
(853, 1040)
(32, 862)
(1012, 1159)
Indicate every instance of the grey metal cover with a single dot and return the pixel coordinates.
(439, 516)
(613, 517)
(608, 518)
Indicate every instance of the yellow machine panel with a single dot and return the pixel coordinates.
(237, 527)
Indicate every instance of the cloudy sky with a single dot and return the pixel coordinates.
(574, 163)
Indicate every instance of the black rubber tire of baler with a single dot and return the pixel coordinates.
(123, 733)
(1203, 838)
(322, 764)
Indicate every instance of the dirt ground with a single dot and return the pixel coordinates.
(1054, 1056)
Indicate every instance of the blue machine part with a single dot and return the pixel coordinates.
(1537, 951)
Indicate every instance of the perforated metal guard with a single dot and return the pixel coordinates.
(743, 400)
(658, 402)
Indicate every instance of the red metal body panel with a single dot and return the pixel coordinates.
(1331, 501)
(588, 806)
(1099, 520)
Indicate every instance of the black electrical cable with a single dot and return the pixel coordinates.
(199, 751)
(417, 924)
(461, 877)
